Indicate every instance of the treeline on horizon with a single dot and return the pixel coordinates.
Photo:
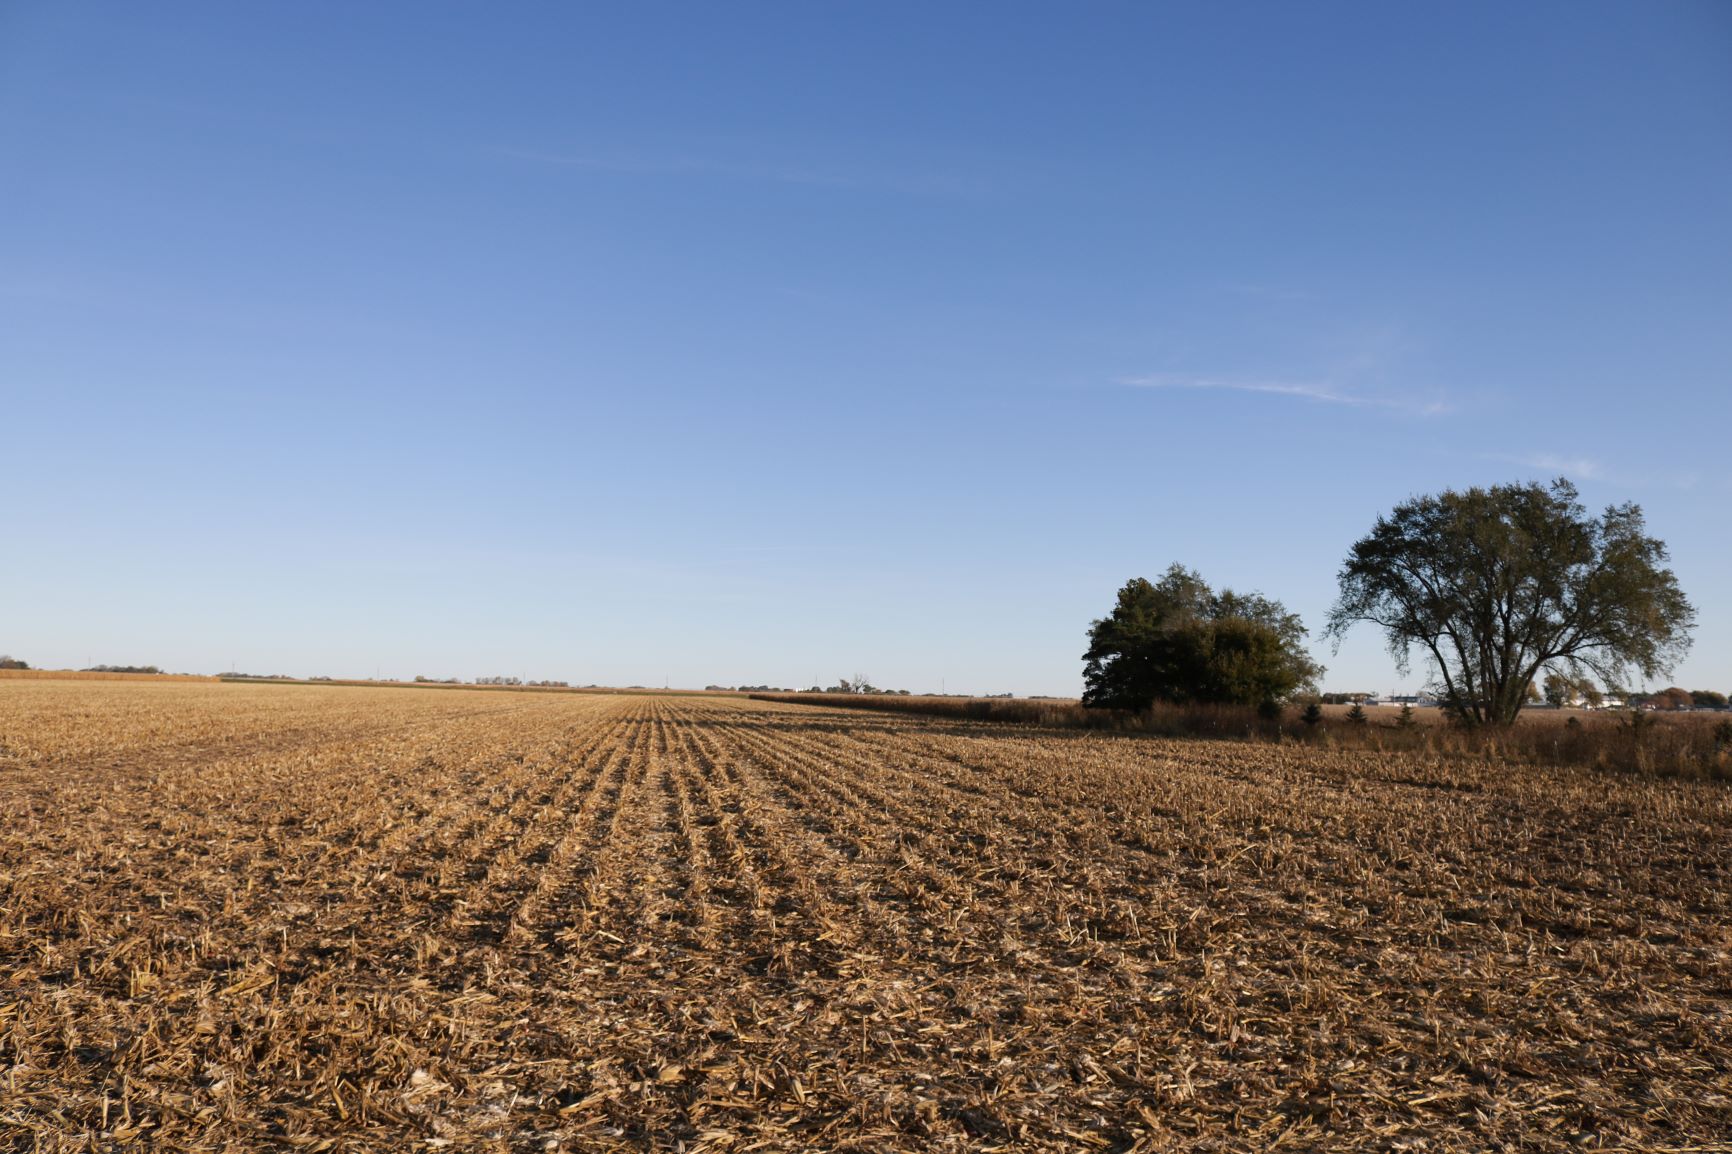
(1492, 586)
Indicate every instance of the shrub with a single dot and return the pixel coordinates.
(1639, 722)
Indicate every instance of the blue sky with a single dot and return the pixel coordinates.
(773, 342)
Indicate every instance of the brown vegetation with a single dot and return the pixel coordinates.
(343, 919)
(1690, 745)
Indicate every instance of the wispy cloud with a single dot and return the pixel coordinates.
(1317, 392)
(1585, 467)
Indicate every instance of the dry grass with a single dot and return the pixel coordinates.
(1163, 719)
(247, 917)
(1656, 744)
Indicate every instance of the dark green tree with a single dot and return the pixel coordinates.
(1492, 584)
(1178, 640)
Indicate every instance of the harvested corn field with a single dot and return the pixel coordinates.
(237, 917)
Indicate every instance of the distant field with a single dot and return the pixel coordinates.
(98, 675)
(260, 917)
(94, 675)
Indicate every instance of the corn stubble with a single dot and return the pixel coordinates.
(235, 917)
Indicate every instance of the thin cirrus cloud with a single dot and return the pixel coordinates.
(1592, 469)
(1556, 464)
(1317, 393)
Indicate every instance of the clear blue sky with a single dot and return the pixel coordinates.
(774, 342)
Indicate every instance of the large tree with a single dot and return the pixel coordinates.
(1494, 584)
(1178, 640)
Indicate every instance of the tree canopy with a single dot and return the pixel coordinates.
(1178, 640)
(1494, 584)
